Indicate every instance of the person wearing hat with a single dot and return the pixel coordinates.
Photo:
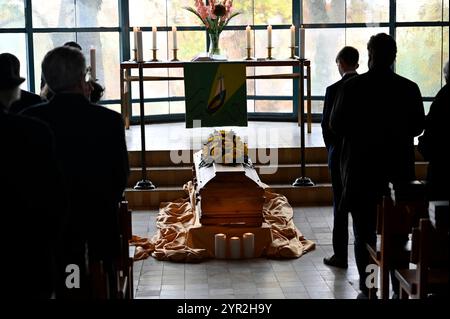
(9, 83)
(32, 200)
(26, 98)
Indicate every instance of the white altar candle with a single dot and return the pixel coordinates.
(249, 39)
(174, 36)
(302, 42)
(220, 245)
(93, 63)
(269, 36)
(249, 245)
(235, 247)
(138, 44)
(292, 36)
(154, 37)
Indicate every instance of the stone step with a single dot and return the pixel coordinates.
(280, 174)
(318, 195)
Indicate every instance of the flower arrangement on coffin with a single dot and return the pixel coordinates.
(224, 147)
(215, 16)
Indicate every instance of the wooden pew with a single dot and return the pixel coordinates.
(430, 253)
(397, 213)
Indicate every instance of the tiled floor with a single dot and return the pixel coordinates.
(303, 278)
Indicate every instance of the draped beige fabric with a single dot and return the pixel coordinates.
(175, 219)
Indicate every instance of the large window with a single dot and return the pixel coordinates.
(29, 28)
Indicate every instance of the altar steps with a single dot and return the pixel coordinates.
(169, 177)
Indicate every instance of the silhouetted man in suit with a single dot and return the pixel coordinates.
(347, 62)
(26, 98)
(32, 201)
(90, 145)
(434, 141)
(377, 114)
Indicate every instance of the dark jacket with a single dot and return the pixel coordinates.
(27, 99)
(32, 206)
(433, 145)
(91, 149)
(378, 114)
(332, 141)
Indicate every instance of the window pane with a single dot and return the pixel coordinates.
(14, 43)
(154, 108)
(246, 8)
(190, 44)
(323, 11)
(358, 38)
(12, 14)
(75, 13)
(177, 107)
(233, 43)
(177, 15)
(147, 13)
(112, 107)
(272, 12)
(274, 106)
(316, 107)
(367, 11)
(280, 42)
(107, 56)
(322, 46)
(419, 57)
(419, 10)
(445, 47)
(52, 14)
(426, 106)
(446, 10)
(97, 13)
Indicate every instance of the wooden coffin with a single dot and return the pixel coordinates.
(228, 194)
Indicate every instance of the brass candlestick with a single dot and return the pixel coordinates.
(155, 59)
(269, 53)
(175, 58)
(293, 53)
(249, 54)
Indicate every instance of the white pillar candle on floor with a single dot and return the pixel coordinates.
(93, 63)
(138, 44)
(269, 36)
(302, 42)
(220, 245)
(154, 37)
(235, 247)
(249, 245)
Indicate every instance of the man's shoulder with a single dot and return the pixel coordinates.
(36, 109)
(105, 113)
(404, 81)
(30, 96)
(26, 124)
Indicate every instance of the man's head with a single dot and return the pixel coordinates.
(446, 72)
(64, 70)
(10, 79)
(347, 60)
(382, 51)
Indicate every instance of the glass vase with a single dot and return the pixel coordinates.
(214, 48)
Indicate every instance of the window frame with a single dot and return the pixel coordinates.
(124, 28)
